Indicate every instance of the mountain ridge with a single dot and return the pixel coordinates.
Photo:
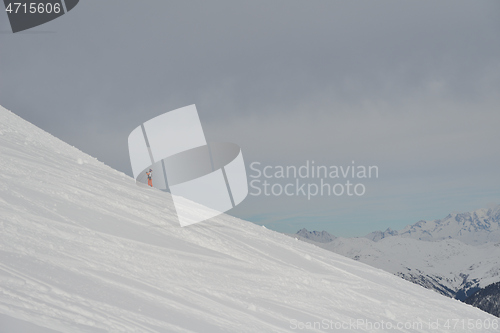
(477, 227)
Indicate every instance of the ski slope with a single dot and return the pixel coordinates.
(83, 249)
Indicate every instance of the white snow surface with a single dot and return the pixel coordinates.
(84, 249)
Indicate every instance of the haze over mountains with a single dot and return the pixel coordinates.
(84, 249)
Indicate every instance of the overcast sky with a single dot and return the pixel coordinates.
(410, 86)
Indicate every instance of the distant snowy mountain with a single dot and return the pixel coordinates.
(487, 299)
(378, 235)
(449, 267)
(478, 227)
(83, 249)
(315, 236)
(455, 256)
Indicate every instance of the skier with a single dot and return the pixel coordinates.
(150, 175)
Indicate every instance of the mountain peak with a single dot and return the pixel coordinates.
(315, 236)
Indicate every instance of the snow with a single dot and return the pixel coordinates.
(84, 249)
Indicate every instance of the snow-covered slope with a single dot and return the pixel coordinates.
(478, 227)
(83, 249)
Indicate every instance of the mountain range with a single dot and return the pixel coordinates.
(455, 256)
(474, 228)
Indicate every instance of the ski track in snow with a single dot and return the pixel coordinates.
(84, 249)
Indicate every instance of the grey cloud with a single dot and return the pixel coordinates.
(288, 76)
